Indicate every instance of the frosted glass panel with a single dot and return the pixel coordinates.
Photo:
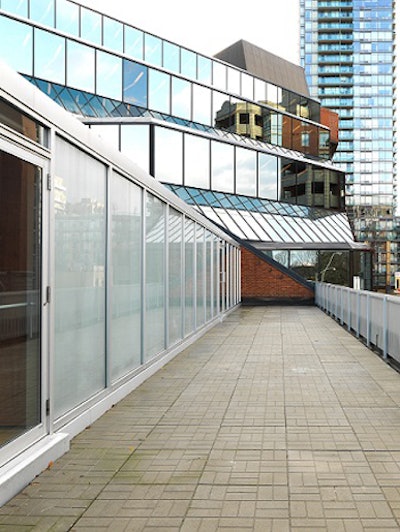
(200, 276)
(175, 276)
(125, 339)
(79, 344)
(189, 276)
(155, 277)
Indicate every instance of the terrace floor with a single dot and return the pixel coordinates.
(276, 420)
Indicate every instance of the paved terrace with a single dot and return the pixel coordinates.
(276, 420)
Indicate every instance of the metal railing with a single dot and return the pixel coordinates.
(373, 317)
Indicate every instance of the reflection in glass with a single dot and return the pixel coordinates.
(135, 143)
(159, 91)
(188, 63)
(80, 231)
(152, 49)
(181, 98)
(171, 56)
(80, 66)
(17, 49)
(67, 17)
(219, 101)
(197, 162)
(246, 171)
(135, 83)
(126, 251)
(16, 7)
(208, 273)
(168, 152)
(189, 313)
(109, 75)
(260, 88)
(49, 57)
(42, 11)
(13, 118)
(201, 105)
(113, 34)
(272, 95)
(222, 169)
(268, 176)
(154, 277)
(90, 25)
(175, 275)
(20, 305)
(134, 42)
(204, 69)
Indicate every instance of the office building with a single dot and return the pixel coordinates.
(348, 52)
(111, 263)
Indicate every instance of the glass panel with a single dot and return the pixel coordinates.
(159, 91)
(222, 169)
(233, 80)
(200, 276)
(135, 144)
(17, 49)
(201, 105)
(260, 88)
(181, 98)
(67, 17)
(209, 286)
(171, 56)
(188, 63)
(152, 49)
(268, 176)
(175, 280)
(197, 162)
(189, 277)
(134, 42)
(135, 83)
(109, 75)
(16, 7)
(219, 75)
(80, 240)
(168, 155)
(20, 305)
(216, 274)
(247, 86)
(204, 69)
(272, 95)
(113, 36)
(246, 172)
(220, 101)
(49, 57)
(155, 276)
(126, 251)
(90, 26)
(80, 66)
(42, 11)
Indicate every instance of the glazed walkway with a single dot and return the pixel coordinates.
(276, 420)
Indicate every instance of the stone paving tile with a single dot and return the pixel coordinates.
(276, 420)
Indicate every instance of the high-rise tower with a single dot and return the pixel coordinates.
(348, 52)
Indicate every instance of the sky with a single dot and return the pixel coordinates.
(209, 26)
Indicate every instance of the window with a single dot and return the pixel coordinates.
(244, 118)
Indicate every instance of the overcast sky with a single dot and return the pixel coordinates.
(209, 26)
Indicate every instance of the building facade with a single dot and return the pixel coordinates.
(111, 263)
(348, 52)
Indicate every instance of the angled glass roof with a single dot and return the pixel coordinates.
(271, 224)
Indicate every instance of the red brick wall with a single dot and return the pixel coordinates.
(261, 280)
